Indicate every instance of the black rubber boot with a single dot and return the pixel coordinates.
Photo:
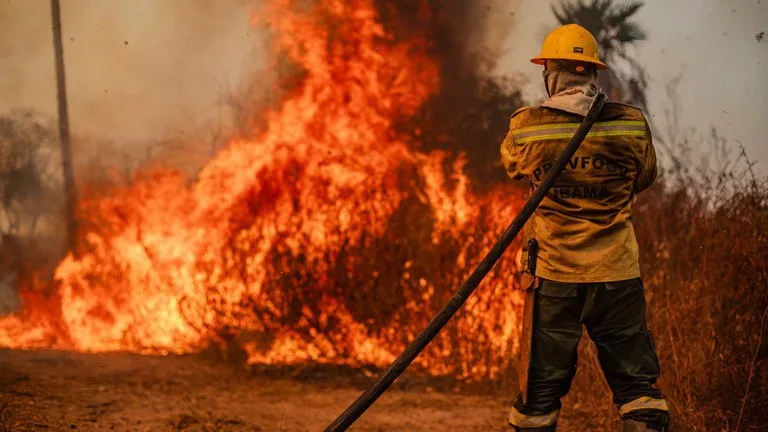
(646, 421)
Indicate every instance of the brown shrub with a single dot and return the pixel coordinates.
(704, 250)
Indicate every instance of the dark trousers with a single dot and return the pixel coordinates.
(614, 315)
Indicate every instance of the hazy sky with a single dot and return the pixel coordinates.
(146, 68)
(136, 69)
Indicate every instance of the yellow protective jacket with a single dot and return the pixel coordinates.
(584, 225)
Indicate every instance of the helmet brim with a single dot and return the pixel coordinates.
(542, 60)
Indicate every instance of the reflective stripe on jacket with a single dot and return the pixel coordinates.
(583, 226)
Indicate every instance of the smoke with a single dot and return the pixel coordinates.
(470, 114)
(146, 71)
(135, 70)
(146, 81)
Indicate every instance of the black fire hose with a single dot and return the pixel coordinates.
(345, 420)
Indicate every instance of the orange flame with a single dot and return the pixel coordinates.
(327, 238)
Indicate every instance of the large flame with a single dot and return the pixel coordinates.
(325, 239)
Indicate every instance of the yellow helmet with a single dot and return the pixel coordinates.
(570, 42)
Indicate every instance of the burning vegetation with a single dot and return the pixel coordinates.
(342, 221)
(328, 237)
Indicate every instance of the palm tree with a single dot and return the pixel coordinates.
(615, 31)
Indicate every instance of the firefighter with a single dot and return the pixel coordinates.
(580, 255)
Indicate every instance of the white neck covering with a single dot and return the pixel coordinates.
(569, 91)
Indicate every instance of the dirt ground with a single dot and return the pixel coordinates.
(50, 390)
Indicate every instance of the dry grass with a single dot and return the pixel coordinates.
(704, 247)
(704, 261)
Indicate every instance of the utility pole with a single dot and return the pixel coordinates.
(66, 150)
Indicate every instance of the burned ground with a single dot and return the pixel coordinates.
(54, 390)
